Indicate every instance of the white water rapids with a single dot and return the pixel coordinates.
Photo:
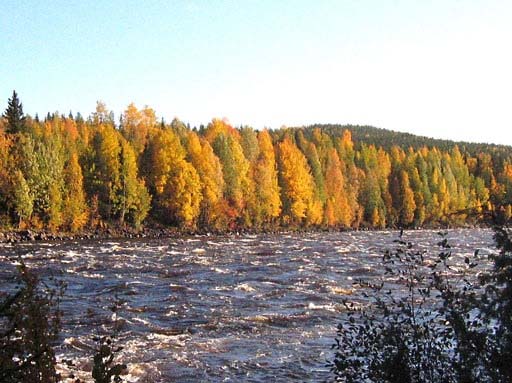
(246, 308)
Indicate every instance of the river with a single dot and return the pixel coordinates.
(234, 308)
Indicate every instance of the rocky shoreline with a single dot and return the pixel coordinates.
(28, 235)
(109, 233)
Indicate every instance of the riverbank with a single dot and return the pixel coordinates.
(118, 232)
(28, 235)
(113, 232)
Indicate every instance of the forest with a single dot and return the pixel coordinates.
(69, 173)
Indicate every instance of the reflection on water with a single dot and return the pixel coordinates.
(249, 308)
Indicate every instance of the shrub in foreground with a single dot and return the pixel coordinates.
(431, 319)
(30, 321)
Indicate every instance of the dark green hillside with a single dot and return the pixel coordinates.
(388, 138)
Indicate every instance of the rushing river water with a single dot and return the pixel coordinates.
(248, 308)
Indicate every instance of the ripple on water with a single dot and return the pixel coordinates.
(253, 308)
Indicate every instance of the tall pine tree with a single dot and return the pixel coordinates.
(14, 115)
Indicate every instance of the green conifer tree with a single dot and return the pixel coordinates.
(14, 115)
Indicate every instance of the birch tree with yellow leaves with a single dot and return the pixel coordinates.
(296, 183)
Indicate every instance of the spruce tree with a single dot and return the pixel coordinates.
(14, 115)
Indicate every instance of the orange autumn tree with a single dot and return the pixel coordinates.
(337, 210)
(315, 209)
(251, 150)
(353, 175)
(209, 169)
(296, 182)
(408, 205)
(182, 196)
(103, 170)
(75, 198)
(136, 124)
(238, 185)
(173, 181)
(266, 179)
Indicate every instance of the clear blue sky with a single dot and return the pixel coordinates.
(436, 68)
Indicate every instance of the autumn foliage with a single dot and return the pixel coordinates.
(70, 173)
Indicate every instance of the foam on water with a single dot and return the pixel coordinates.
(232, 308)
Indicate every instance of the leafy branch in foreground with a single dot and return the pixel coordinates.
(30, 322)
(105, 369)
(432, 318)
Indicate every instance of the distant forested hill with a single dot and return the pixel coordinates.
(388, 138)
(69, 173)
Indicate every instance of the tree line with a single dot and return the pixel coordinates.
(69, 173)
